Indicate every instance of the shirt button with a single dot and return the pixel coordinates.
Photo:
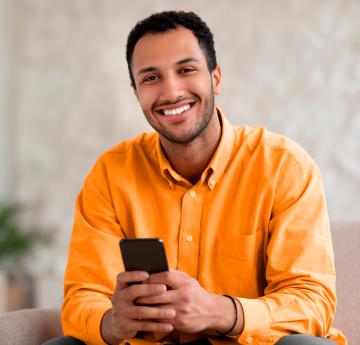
(212, 182)
(192, 193)
(249, 340)
(189, 238)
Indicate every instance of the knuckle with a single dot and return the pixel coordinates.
(145, 326)
(113, 299)
(139, 313)
(153, 300)
(119, 278)
(146, 300)
(116, 297)
(192, 283)
(123, 324)
(186, 310)
(132, 290)
(182, 322)
(169, 277)
(185, 296)
(116, 314)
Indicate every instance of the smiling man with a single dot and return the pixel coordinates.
(241, 211)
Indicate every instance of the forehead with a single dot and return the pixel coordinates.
(164, 49)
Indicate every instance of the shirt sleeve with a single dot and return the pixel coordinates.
(300, 295)
(90, 275)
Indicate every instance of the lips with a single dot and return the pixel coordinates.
(175, 109)
(176, 112)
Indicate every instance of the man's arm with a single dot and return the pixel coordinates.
(300, 295)
(90, 275)
(98, 305)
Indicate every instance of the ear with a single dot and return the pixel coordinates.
(135, 93)
(216, 76)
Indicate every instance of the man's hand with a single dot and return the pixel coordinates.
(125, 318)
(195, 308)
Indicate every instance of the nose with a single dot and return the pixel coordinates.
(171, 89)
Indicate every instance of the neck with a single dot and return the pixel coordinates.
(191, 159)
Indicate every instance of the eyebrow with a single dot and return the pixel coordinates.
(152, 69)
(190, 59)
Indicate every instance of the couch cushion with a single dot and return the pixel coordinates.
(346, 242)
(30, 326)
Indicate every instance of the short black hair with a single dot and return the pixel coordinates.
(171, 20)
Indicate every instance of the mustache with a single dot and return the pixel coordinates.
(178, 100)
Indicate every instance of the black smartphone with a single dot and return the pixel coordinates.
(144, 254)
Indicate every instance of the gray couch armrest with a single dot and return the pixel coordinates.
(30, 326)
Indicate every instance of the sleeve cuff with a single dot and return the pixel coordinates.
(256, 322)
(94, 332)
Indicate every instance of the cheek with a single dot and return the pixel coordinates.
(147, 98)
(199, 86)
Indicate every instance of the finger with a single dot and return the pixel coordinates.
(152, 313)
(171, 279)
(179, 272)
(124, 278)
(151, 326)
(135, 291)
(168, 297)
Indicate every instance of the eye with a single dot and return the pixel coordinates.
(151, 77)
(187, 70)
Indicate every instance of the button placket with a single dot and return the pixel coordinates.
(189, 235)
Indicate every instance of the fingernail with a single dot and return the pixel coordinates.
(159, 288)
(167, 328)
(169, 313)
(143, 275)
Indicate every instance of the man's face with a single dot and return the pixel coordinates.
(173, 84)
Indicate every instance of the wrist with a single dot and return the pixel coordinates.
(106, 330)
(222, 314)
(240, 320)
(226, 316)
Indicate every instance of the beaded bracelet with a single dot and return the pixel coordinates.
(236, 316)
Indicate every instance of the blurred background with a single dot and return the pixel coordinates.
(292, 66)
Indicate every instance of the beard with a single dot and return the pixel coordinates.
(202, 122)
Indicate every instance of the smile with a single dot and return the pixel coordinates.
(176, 111)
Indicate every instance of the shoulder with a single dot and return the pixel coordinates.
(124, 154)
(275, 146)
(141, 142)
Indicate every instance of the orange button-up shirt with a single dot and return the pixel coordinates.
(255, 226)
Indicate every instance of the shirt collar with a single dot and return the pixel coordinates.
(217, 164)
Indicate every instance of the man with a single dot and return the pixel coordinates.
(241, 211)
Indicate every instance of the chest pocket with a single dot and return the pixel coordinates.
(240, 268)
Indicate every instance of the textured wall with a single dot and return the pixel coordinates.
(4, 93)
(291, 66)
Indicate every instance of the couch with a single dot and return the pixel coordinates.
(35, 326)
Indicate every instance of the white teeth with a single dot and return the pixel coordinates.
(177, 111)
